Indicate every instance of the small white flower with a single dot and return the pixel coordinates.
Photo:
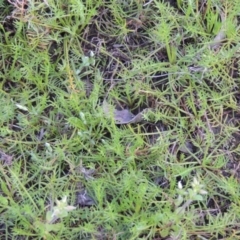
(91, 54)
(82, 116)
(197, 187)
(21, 107)
(180, 186)
(203, 192)
(48, 147)
(70, 208)
(62, 205)
(62, 209)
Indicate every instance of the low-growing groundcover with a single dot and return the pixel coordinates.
(119, 119)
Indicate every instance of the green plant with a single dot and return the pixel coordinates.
(172, 174)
